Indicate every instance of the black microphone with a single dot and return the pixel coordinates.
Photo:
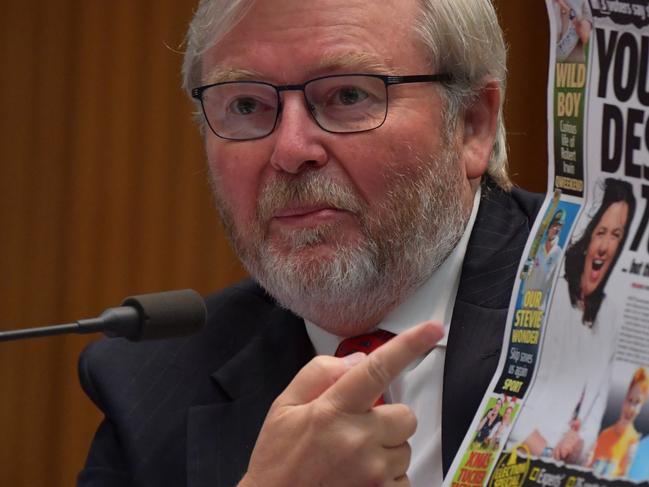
(144, 317)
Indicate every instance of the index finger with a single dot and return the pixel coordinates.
(358, 389)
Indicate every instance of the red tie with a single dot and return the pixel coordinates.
(366, 344)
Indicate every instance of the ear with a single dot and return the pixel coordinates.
(480, 126)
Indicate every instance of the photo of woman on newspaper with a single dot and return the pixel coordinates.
(562, 414)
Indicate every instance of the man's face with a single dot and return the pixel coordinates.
(317, 217)
(603, 247)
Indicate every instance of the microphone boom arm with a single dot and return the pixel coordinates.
(148, 316)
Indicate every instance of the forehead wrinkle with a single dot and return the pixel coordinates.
(359, 61)
(220, 74)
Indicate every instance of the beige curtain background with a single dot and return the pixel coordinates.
(103, 193)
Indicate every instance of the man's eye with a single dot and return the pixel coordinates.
(244, 106)
(350, 95)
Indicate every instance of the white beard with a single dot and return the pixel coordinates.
(404, 241)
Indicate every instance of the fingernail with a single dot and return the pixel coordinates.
(353, 359)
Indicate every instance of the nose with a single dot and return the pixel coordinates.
(298, 139)
(603, 247)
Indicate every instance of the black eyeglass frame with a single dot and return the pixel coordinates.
(388, 80)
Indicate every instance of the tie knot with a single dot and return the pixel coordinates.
(363, 343)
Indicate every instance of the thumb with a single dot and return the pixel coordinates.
(316, 377)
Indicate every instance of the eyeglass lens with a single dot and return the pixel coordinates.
(341, 104)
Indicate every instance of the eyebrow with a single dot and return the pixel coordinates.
(354, 61)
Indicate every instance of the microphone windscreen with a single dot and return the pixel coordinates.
(168, 314)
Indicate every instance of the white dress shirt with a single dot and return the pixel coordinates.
(420, 385)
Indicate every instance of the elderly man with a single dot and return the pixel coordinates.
(356, 151)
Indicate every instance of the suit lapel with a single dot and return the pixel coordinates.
(475, 338)
(221, 435)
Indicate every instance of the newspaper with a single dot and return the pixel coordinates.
(568, 404)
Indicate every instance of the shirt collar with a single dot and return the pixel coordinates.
(434, 299)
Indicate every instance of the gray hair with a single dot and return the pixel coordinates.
(463, 36)
(466, 41)
(212, 20)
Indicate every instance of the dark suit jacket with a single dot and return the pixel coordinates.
(187, 411)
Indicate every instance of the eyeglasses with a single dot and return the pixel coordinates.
(340, 104)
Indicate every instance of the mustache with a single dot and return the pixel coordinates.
(310, 188)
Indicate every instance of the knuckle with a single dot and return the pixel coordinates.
(377, 371)
(403, 417)
(403, 481)
(322, 363)
(410, 419)
(407, 453)
(334, 402)
(277, 410)
(376, 472)
(405, 413)
(350, 439)
(400, 459)
(327, 368)
(323, 415)
(353, 441)
(330, 421)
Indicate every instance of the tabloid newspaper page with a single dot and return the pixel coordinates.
(568, 405)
